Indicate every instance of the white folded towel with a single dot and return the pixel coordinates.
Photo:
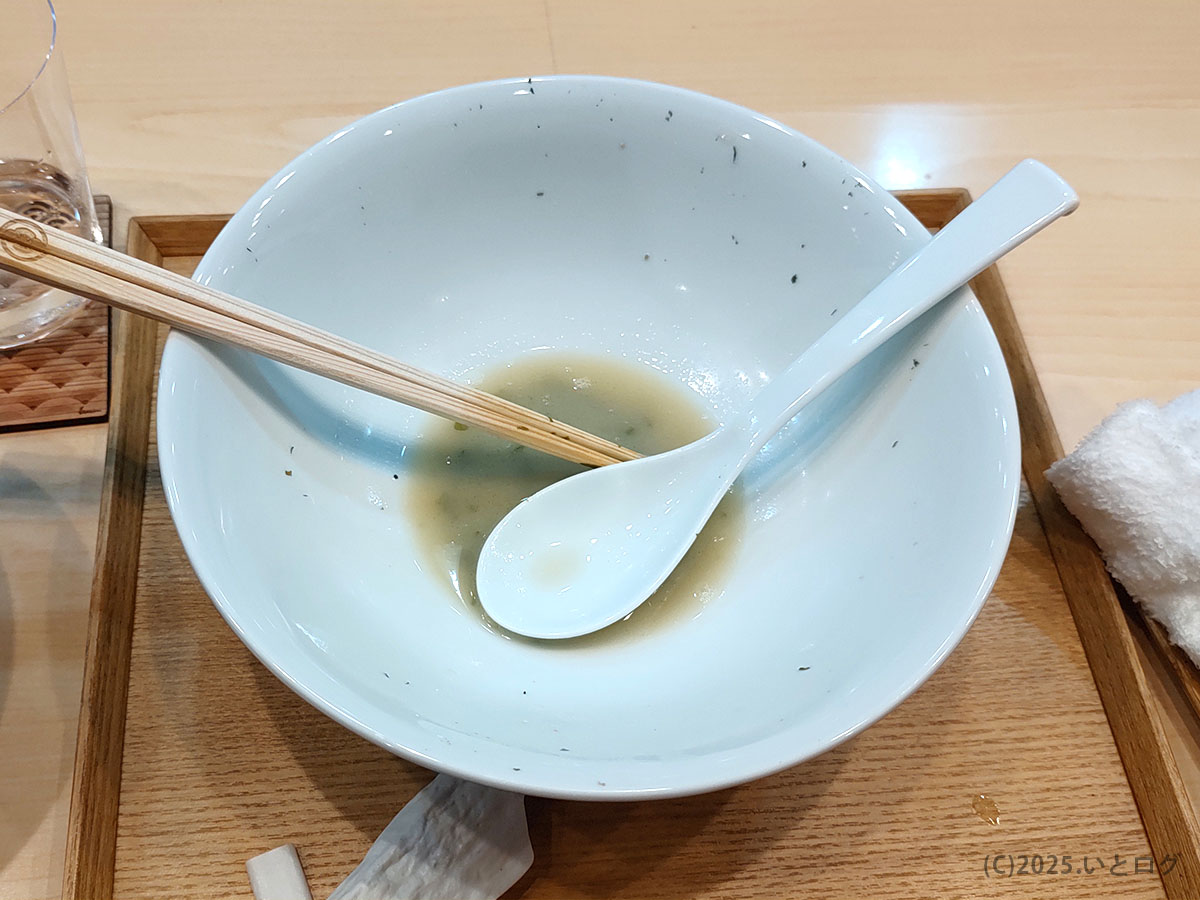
(1134, 484)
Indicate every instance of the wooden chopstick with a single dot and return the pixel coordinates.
(71, 263)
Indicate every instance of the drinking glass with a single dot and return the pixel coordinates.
(42, 174)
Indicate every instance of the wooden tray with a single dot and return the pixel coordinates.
(193, 758)
(63, 378)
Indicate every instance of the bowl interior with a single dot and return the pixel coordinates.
(600, 217)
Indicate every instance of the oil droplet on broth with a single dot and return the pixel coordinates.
(985, 807)
(463, 482)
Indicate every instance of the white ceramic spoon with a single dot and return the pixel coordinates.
(586, 551)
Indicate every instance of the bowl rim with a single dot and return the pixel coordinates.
(757, 765)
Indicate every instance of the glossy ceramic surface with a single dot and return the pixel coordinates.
(469, 227)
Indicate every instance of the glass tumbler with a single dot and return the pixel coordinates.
(42, 173)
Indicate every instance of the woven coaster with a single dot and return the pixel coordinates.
(63, 378)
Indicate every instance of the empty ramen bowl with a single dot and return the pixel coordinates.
(684, 239)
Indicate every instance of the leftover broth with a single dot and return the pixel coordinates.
(464, 481)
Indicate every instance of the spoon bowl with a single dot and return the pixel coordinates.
(588, 571)
(588, 550)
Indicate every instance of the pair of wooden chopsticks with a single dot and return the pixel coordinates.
(73, 264)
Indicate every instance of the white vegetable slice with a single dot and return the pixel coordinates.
(453, 839)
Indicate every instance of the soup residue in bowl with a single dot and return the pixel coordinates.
(465, 481)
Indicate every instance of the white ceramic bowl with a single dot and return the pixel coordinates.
(465, 228)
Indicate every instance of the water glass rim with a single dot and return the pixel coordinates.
(45, 59)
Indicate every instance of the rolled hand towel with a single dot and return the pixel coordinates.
(1134, 485)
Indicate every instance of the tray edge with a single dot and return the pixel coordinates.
(96, 782)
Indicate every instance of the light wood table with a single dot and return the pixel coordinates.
(187, 108)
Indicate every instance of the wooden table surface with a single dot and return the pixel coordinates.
(188, 107)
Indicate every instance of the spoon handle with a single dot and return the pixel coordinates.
(1015, 208)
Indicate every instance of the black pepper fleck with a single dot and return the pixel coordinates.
(803, 668)
(669, 114)
(916, 362)
(895, 443)
(287, 472)
(541, 193)
(794, 277)
(735, 152)
(803, 164)
(386, 675)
